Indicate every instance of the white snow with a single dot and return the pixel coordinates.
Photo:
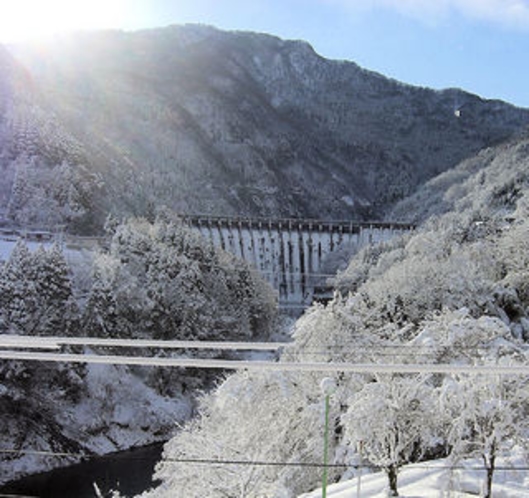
(72, 255)
(348, 200)
(434, 480)
(6, 246)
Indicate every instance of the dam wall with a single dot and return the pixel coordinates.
(292, 254)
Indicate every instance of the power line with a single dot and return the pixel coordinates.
(268, 365)
(31, 342)
(264, 463)
(334, 465)
(386, 350)
(331, 357)
(55, 343)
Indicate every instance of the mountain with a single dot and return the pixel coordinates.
(237, 123)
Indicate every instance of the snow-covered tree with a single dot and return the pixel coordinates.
(57, 308)
(171, 283)
(488, 418)
(485, 415)
(37, 296)
(20, 191)
(101, 315)
(17, 292)
(162, 280)
(258, 427)
(394, 420)
(47, 194)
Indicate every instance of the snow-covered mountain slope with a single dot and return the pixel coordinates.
(45, 179)
(455, 291)
(241, 123)
(497, 172)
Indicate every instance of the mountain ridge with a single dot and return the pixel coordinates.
(239, 123)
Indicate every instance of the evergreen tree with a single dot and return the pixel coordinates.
(18, 297)
(57, 307)
(36, 292)
(170, 283)
(101, 317)
(20, 192)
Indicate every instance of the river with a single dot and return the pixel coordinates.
(129, 472)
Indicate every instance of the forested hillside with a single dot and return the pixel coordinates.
(456, 291)
(45, 176)
(156, 280)
(231, 123)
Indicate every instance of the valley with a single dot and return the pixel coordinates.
(419, 250)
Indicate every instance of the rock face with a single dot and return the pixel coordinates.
(214, 122)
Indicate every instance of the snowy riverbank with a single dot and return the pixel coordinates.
(119, 412)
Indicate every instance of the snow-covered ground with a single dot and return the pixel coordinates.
(433, 480)
(8, 243)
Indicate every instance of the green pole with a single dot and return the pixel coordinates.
(325, 447)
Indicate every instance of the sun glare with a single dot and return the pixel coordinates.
(22, 20)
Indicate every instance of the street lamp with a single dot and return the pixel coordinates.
(328, 387)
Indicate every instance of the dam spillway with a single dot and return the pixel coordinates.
(291, 254)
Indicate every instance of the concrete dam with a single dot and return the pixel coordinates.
(294, 256)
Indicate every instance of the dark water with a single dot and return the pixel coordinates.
(130, 472)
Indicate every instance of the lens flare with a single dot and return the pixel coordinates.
(23, 20)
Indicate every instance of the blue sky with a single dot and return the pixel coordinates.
(479, 45)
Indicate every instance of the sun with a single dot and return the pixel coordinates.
(22, 20)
